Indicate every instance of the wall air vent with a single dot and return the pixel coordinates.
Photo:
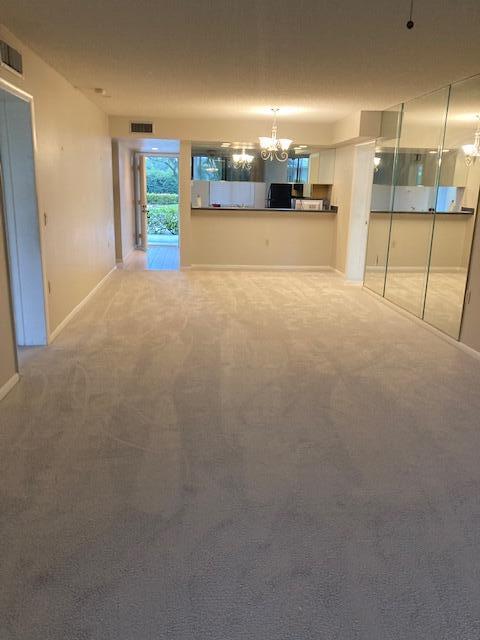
(11, 58)
(141, 127)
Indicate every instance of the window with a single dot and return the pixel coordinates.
(297, 170)
(208, 168)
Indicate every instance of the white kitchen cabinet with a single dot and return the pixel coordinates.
(259, 195)
(237, 194)
(201, 188)
(321, 168)
(221, 193)
(242, 194)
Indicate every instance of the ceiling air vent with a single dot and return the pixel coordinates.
(11, 58)
(141, 127)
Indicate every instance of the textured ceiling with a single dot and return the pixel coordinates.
(317, 60)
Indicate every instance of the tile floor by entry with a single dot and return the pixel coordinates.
(158, 257)
(220, 455)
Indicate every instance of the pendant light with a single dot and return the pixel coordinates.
(242, 160)
(273, 148)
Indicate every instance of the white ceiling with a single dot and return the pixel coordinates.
(317, 60)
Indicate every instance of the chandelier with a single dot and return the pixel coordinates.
(211, 165)
(273, 147)
(472, 151)
(242, 160)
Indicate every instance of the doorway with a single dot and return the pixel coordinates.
(18, 205)
(157, 224)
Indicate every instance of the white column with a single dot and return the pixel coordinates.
(359, 211)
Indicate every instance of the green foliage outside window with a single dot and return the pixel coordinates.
(162, 195)
(162, 198)
(162, 174)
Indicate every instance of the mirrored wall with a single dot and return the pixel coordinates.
(382, 199)
(424, 201)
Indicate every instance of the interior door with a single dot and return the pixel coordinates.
(470, 333)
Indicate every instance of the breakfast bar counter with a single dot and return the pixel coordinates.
(224, 237)
(264, 210)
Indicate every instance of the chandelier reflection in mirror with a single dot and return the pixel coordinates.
(273, 148)
(472, 151)
(211, 165)
(242, 160)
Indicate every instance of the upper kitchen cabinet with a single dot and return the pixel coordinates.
(322, 167)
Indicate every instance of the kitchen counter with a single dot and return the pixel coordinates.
(238, 237)
(426, 213)
(264, 210)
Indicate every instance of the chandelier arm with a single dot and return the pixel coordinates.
(281, 156)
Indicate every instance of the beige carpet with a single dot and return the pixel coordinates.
(233, 456)
(443, 301)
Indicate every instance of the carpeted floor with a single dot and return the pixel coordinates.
(236, 456)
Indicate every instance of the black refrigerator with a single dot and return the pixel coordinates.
(280, 195)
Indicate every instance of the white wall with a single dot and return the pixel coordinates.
(266, 239)
(184, 202)
(219, 130)
(359, 211)
(126, 201)
(342, 197)
(359, 126)
(74, 179)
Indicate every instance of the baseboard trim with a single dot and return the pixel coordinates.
(54, 334)
(258, 267)
(8, 386)
(421, 323)
(380, 269)
(128, 256)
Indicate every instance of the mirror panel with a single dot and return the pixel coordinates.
(457, 200)
(385, 154)
(410, 240)
(427, 174)
(448, 272)
(377, 251)
(415, 179)
(382, 199)
(419, 150)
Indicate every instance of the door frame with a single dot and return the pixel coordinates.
(28, 98)
(140, 214)
(3, 230)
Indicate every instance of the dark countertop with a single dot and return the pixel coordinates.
(265, 210)
(423, 213)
